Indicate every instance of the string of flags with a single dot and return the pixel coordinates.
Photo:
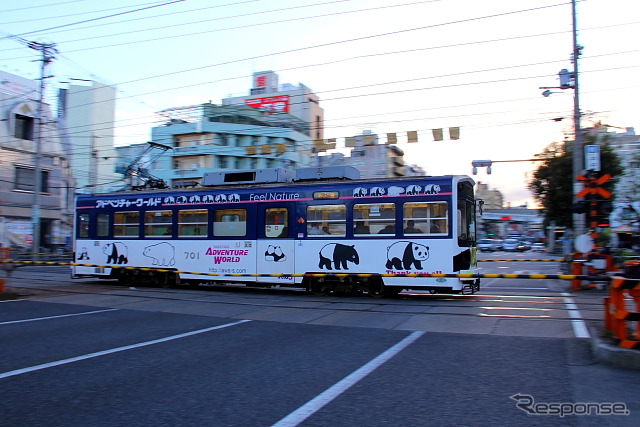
(392, 138)
(352, 141)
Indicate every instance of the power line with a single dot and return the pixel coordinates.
(102, 17)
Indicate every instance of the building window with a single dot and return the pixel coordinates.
(24, 127)
(222, 162)
(193, 223)
(158, 224)
(24, 179)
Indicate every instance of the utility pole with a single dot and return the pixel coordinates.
(578, 155)
(48, 51)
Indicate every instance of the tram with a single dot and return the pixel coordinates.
(276, 227)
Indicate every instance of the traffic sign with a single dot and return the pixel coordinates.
(592, 157)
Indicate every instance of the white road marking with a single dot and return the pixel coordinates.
(579, 327)
(318, 402)
(115, 350)
(35, 319)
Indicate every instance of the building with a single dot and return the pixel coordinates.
(372, 158)
(492, 199)
(27, 145)
(204, 138)
(625, 218)
(86, 112)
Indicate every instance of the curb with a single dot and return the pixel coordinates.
(610, 354)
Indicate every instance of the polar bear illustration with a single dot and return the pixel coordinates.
(162, 254)
(395, 191)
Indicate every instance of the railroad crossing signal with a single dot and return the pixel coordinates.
(596, 208)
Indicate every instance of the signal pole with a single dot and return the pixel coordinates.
(48, 51)
(578, 155)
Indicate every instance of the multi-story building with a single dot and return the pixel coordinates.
(207, 137)
(30, 142)
(492, 199)
(86, 113)
(625, 218)
(372, 158)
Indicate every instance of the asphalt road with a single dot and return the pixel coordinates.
(103, 355)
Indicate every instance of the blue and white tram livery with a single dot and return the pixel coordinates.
(297, 233)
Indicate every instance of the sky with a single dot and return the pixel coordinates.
(379, 65)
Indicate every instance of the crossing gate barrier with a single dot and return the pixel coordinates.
(591, 264)
(617, 314)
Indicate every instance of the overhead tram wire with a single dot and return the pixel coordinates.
(203, 21)
(373, 36)
(72, 14)
(410, 89)
(102, 17)
(392, 53)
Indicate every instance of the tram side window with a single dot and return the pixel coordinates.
(426, 218)
(102, 225)
(376, 218)
(83, 226)
(326, 219)
(230, 222)
(126, 224)
(158, 224)
(193, 223)
(275, 222)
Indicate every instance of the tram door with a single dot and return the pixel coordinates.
(275, 243)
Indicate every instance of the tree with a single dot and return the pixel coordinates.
(552, 182)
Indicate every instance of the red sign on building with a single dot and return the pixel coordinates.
(270, 104)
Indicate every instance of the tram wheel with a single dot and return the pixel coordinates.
(377, 289)
(319, 288)
(164, 280)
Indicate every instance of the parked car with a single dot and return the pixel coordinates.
(486, 245)
(513, 245)
(538, 247)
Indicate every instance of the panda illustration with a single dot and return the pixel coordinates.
(377, 191)
(181, 199)
(170, 200)
(395, 191)
(207, 198)
(194, 199)
(274, 254)
(359, 192)
(431, 189)
(84, 254)
(234, 198)
(220, 198)
(339, 254)
(402, 254)
(116, 253)
(413, 190)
